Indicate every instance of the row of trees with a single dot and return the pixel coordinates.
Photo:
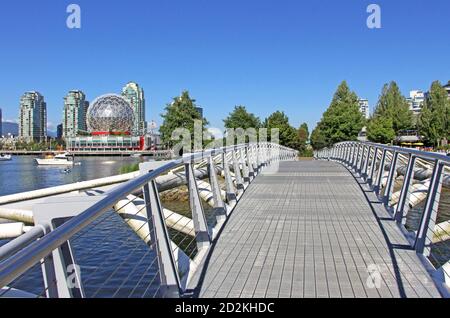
(288, 135)
(343, 120)
(182, 113)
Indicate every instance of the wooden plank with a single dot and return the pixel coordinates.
(309, 231)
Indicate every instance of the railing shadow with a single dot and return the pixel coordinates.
(391, 247)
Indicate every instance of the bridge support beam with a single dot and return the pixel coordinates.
(426, 229)
(219, 205)
(202, 233)
(168, 273)
(391, 179)
(237, 172)
(402, 206)
(373, 166)
(229, 187)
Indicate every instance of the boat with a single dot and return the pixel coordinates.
(4, 157)
(51, 159)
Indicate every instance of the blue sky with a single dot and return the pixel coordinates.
(264, 54)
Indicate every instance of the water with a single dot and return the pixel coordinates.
(22, 174)
(114, 261)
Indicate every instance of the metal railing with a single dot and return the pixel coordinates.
(81, 248)
(414, 187)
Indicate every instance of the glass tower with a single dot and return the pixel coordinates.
(74, 115)
(33, 117)
(135, 97)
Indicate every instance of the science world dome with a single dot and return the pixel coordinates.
(110, 113)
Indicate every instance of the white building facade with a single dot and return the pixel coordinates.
(364, 107)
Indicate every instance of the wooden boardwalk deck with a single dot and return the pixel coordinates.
(311, 231)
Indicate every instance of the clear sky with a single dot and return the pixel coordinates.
(264, 54)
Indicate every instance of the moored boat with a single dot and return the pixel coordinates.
(4, 157)
(50, 159)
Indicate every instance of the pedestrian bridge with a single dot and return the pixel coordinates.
(338, 226)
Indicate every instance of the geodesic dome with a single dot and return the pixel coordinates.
(110, 112)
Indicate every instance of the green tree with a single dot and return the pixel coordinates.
(181, 113)
(342, 121)
(433, 120)
(392, 104)
(303, 137)
(241, 118)
(288, 135)
(380, 130)
(318, 139)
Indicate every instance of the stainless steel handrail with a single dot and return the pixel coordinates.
(352, 153)
(423, 154)
(19, 263)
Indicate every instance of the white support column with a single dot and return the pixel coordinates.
(428, 221)
(203, 235)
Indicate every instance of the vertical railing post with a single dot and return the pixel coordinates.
(261, 155)
(245, 170)
(391, 179)
(203, 236)
(402, 204)
(373, 165)
(229, 187)
(377, 187)
(348, 154)
(366, 163)
(251, 166)
(61, 273)
(219, 206)
(361, 160)
(237, 171)
(258, 157)
(170, 280)
(355, 158)
(426, 229)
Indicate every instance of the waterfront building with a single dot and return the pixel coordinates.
(74, 114)
(364, 107)
(135, 97)
(59, 131)
(200, 111)
(1, 124)
(447, 88)
(415, 101)
(33, 117)
(110, 121)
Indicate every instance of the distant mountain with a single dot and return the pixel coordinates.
(52, 134)
(13, 128)
(10, 128)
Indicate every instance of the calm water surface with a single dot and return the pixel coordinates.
(114, 261)
(22, 174)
